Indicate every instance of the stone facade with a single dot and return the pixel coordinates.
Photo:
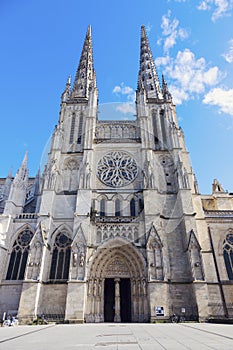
(115, 228)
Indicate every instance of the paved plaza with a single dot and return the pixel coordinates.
(118, 337)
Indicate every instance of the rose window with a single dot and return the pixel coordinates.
(117, 169)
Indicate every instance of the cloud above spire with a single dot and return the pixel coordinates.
(218, 8)
(171, 32)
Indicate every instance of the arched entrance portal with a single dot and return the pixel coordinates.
(117, 286)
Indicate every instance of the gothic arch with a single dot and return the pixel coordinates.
(61, 241)
(116, 259)
(117, 196)
(222, 237)
(117, 247)
(102, 196)
(18, 253)
(20, 230)
(227, 252)
(62, 227)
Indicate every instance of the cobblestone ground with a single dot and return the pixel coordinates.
(118, 337)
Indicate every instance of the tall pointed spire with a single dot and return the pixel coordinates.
(148, 77)
(85, 75)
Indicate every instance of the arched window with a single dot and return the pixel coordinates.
(155, 128)
(19, 255)
(117, 207)
(72, 127)
(102, 207)
(228, 255)
(80, 129)
(61, 257)
(132, 207)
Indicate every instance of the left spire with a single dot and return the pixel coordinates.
(85, 75)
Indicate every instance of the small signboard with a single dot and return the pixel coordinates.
(159, 310)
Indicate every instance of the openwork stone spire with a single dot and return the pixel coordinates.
(166, 94)
(85, 78)
(21, 177)
(148, 78)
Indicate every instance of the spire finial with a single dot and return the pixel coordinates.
(85, 75)
(147, 74)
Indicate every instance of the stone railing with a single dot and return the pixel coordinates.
(123, 219)
(26, 216)
(119, 131)
(219, 213)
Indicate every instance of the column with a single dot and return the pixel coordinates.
(117, 317)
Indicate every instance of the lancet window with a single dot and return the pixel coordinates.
(72, 127)
(19, 255)
(102, 207)
(80, 129)
(132, 207)
(228, 255)
(117, 207)
(61, 257)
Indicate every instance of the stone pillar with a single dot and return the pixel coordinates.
(117, 317)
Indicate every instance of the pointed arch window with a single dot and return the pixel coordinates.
(72, 127)
(19, 255)
(102, 207)
(80, 129)
(61, 257)
(155, 128)
(228, 255)
(117, 207)
(132, 207)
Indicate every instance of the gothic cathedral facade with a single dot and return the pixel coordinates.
(115, 229)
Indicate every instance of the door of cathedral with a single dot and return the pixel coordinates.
(125, 300)
(109, 300)
(117, 300)
(117, 284)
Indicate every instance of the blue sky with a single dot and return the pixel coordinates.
(192, 44)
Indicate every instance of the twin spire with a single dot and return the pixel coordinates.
(147, 77)
(85, 78)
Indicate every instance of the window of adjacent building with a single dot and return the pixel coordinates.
(19, 255)
(61, 257)
(228, 255)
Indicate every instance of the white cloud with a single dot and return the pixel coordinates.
(221, 98)
(124, 90)
(171, 32)
(126, 108)
(229, 54)
(148, 28)
(189, 75)
(220, 8)
(162, 61)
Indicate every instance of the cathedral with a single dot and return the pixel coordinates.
(114, 229)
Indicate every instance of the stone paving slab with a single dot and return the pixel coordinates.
(191, 336)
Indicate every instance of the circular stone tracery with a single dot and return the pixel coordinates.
(117, 169)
